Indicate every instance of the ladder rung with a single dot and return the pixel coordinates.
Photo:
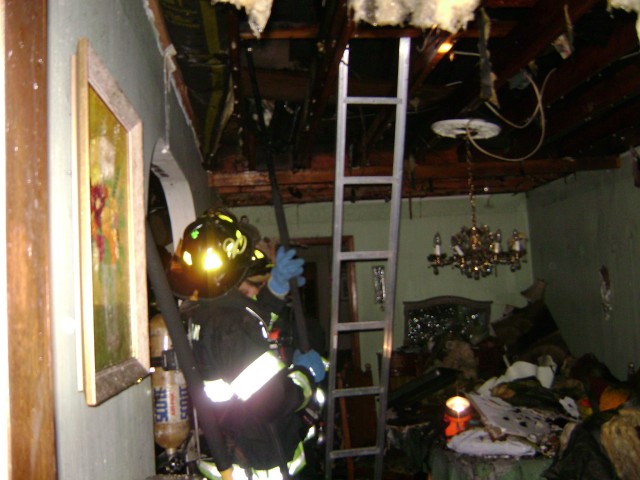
(368, 180)
(357, 391)
(373, 100)
(354, 452)
(365, 255)
(360, 326)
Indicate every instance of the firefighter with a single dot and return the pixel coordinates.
(258, 399)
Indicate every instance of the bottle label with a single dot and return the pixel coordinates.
(170, 403)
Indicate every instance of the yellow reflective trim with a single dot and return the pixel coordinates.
(310, 434)
(326, 364)
(256, 375)
(320, 397)
(299, 460)
(302, 381)
(195, 332)
(234, 247)
(210, 471)
(218, 390)
(295, 466)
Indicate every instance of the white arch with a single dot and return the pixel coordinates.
(176, 189)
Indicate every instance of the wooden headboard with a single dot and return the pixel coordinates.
(428, 319)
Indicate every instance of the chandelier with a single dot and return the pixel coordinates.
(477, 251)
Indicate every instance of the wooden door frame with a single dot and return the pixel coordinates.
(31, 451)
(347, 246)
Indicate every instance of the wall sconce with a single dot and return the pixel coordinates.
(378, 284)
(457, 415)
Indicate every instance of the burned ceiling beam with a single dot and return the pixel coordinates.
(252, 188)
(593, 102)
(605, 131)
(284, 32)
(238, 89)
(570, 101)
(584, 64)
(545, 22)
(591, 59)
(335, 35)
(423, 61)
(231, 181)
(590, 99)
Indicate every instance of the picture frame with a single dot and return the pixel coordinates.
(111, 230)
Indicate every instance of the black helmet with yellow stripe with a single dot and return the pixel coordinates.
(213, 256)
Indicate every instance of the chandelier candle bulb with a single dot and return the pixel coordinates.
(437, 244)
(516, 241)
(497, 244)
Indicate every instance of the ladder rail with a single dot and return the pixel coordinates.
(335, 263)
(390, 255)
(394, 229)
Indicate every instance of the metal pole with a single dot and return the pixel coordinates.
(301, 326)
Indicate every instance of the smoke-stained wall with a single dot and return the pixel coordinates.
(584, 228)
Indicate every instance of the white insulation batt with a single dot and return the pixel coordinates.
(449, 15)
(629, 6)
(258, 12)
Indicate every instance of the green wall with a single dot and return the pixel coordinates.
(115, 439)
(579, 225)
(367, 222)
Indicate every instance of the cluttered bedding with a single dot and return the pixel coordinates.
(528, 398)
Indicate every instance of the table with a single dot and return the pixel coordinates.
(445, 464)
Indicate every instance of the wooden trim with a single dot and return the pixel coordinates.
(32, 437)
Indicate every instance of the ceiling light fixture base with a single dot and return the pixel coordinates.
(476, 128)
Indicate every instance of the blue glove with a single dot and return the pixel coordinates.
(312, 361)
(286, 268)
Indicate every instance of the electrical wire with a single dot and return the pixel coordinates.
(539, 95)
(539, 110)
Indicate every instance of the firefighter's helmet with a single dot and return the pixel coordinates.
(260, 268)
(213, 256)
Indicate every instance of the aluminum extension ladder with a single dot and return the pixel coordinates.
(390, 256)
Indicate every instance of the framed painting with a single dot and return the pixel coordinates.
(112, 264)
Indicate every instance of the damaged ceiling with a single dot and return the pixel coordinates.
(251, 99)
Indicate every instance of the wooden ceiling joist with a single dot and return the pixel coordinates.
(544, 24)
(229, 182)
(324, 73)
(590, 99)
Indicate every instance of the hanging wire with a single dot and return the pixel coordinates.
(538, 110)
(539, 95)
(169, 68)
